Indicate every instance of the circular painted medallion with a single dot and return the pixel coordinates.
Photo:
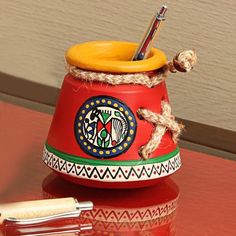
(105, 127)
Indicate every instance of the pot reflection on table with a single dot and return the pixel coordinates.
(143, 211)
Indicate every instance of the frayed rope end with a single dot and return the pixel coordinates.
(184, 61)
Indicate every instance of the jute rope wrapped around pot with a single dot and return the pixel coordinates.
(161, 122)
(183, 62)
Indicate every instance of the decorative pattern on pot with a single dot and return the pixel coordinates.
(105, 127)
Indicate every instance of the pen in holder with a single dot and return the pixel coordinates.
(113, 126)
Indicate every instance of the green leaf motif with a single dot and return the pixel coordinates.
(117, 113)
(103, 134)
(107, 143)
(105, 116)
(99, 142)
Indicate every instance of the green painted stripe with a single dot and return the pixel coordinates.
(85, 161)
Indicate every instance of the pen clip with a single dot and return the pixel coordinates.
(39, 220)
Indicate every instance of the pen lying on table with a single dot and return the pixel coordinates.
(39, 211)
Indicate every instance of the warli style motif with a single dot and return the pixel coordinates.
(104, 127)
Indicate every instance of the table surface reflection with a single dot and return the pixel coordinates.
(198, 200)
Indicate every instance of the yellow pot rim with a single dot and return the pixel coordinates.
(113, 56)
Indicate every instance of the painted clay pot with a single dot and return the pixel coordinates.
(96, 134)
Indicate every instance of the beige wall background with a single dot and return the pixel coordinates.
(34, 36)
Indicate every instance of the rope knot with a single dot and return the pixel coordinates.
(183, 61)
(161, 122)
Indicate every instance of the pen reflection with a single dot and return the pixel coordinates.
(61, 227)
(145, 211)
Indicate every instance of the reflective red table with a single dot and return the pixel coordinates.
(200, 199)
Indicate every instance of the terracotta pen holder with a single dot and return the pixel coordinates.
(113, 126)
